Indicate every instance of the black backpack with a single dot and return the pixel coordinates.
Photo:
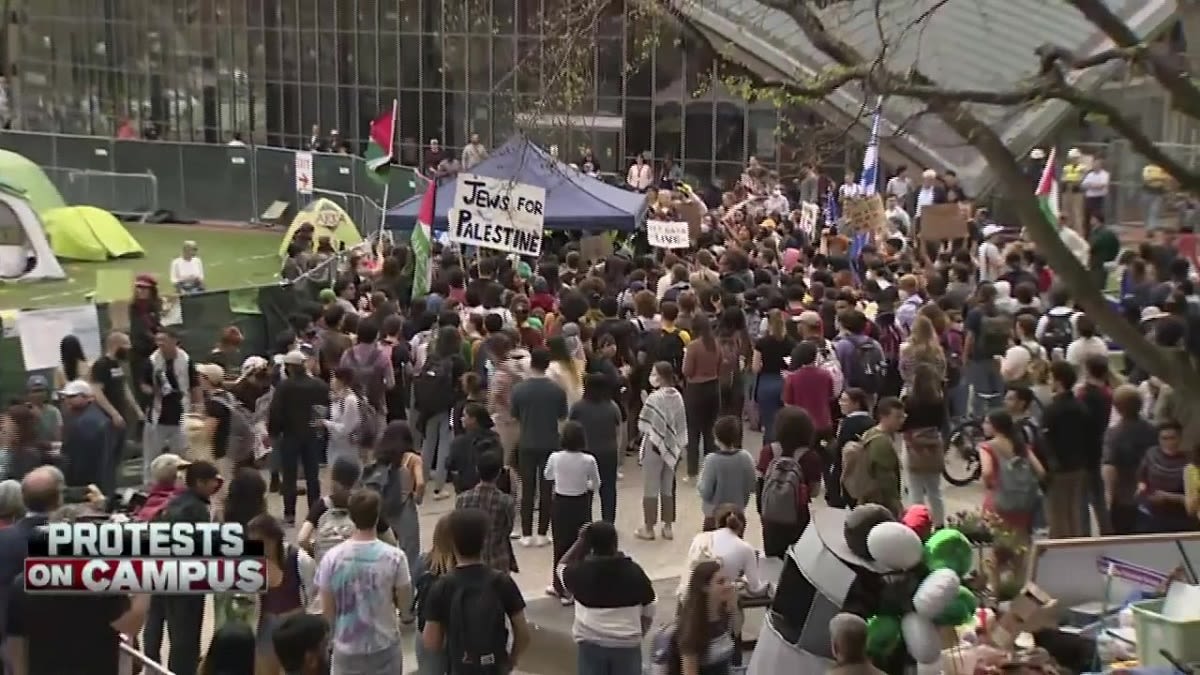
(1058, 333)
(433, 386)
(476, 636)
(868, 367)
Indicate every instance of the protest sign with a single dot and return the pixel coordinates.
(497, 214)
(808, 217)
(44, 330)
(668, 233)
(864, 214)
(940, 222)
(595, 247)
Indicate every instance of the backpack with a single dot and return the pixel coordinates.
(1038, 370)
(369, 375)
(433, 387)
(995, 331)
(664, 651)
(475, 636)
(369, 427)
(827, 360)
(1058, 333)
(793, 323)
(393, 495)
(333, 527)
(781, 491)
(1017, 488)
(856, 468)
(243, 440)
(731, 361)
(954, 357)
(868, 366)
(669, 347)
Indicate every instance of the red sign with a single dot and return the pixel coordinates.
(1186, 244)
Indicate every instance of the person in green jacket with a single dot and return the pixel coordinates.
(1104, 248)
(883, 455)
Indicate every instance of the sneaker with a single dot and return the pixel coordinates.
(685, 480)
(551, 591)
(666, 532)
(565, 601)
(645, 533)
(527, 541)
(541, 540)
(620, 475)
(514, 535)
(439, 495)
(289, 521)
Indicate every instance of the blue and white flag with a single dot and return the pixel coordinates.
(868, 182)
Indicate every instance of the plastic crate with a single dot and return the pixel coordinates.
(1156, 632)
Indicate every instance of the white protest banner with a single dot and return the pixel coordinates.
(304, 173)
(498, 214)
(808, 217)
(44, 329)
(668, 234)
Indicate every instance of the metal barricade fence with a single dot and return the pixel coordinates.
(196, 180)
(128, 195)
(366, 213)
(130, 656)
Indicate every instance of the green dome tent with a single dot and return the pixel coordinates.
(89, 234)
(20, 173)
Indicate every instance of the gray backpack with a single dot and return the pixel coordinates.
(243, 439)
(333, 527)
(781, 494)
(1017, 488)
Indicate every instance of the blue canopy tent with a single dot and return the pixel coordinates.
(574, 201)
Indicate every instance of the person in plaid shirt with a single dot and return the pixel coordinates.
(500, 508)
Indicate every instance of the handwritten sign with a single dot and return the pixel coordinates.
(864, 214)
(501, 215)
(808, 217)
(668, 233)
(304, 173)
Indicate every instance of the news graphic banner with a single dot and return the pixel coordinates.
(501, 215)
(668, 234)
(139, 557)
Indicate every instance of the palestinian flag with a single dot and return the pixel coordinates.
(381, 145)
(1047, 189)
(422, 242)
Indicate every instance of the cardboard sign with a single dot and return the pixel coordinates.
(595, 247)
(501, 215)
(667, 234)
(940, 222)
(809, 212)
(864, 214)
(692, 212)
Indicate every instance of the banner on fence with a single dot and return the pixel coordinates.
(668, 233)
(244, 301)
(501, 215)
(51, 326)
(304, 173)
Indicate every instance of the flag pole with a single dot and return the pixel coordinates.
(388, 185)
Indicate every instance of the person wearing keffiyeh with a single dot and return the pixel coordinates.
(663, 425)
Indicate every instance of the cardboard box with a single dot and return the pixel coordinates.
(1032, 610)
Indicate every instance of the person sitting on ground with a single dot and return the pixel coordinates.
(187, 271)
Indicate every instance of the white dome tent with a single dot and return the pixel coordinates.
(25, 252)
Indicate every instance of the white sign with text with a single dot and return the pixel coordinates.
(304, 173)
(668, 234)
(498, 214)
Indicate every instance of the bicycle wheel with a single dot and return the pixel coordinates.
(962, 454)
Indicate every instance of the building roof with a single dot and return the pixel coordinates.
(977, 44)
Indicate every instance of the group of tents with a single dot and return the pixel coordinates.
(38, 228)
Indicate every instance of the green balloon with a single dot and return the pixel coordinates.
(883, 636)
(949, 549)
(959, 610)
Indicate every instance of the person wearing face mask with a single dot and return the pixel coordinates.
(663, 424)
(112, 391)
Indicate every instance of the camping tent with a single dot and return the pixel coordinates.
(89, 234)
(328, 220)
(574, 200)
(22, 240)
(20, 173)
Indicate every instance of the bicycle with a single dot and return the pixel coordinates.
(963, 466)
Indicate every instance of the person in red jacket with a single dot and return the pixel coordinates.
(810, 387)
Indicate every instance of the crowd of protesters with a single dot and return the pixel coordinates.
(526, 390)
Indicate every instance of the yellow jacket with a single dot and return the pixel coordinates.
(1072, 173)
(1154, 177)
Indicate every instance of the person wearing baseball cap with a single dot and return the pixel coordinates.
(86, 443)
(164, 485)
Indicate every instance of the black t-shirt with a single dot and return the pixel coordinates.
(437, 605)
(624, 334)
(220, 412)
(773, 350)
(171, 413)
(110, 375)
(44, 621)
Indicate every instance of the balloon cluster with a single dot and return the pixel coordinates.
(922, 590)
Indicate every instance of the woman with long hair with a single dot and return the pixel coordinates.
(703, 624)
(72, 364)
(702, 396)
(345, 423)
(663, 425)
(246, 498)
(794, 439)
(290, 573)
(922, 347)
(399, 470)
(22, 450)
(446, 353)
(564, 369)
(925, 416)
(232, 651)
(1004, 451)
(601, 419)
(439, 560)
(734, 340)
(770, 360)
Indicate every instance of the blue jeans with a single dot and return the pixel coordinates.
(983, 377)
(597, 660)
(294, 451)
(768, 394)
(435, 449)
(1153, 203)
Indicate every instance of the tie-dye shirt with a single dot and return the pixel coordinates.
(363, 577)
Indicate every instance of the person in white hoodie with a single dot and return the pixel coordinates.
(345, 417)
(663, 424)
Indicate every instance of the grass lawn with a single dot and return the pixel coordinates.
(232, 258)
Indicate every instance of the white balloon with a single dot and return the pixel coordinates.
(935, 593)
(895, 546)
(921, 638)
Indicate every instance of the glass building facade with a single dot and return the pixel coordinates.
(274, 70)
